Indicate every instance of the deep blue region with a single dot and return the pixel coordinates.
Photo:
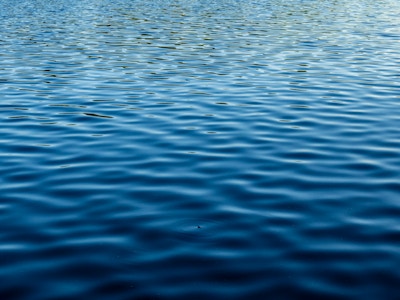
(199, 149)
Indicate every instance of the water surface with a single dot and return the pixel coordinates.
(199, 149)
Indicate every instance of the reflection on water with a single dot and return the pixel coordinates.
(201, 149)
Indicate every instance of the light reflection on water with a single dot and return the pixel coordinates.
(199, 149)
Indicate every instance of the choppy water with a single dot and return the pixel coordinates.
(199, 149)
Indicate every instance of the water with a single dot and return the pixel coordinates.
(199, 149)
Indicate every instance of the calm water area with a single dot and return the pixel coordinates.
(199, 149)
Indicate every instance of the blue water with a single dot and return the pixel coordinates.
(199, 149)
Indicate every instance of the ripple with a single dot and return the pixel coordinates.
(97, 115)
(206, 149)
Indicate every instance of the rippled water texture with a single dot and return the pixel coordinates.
(199, 149)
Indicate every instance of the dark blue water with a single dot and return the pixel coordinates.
(199, 149)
